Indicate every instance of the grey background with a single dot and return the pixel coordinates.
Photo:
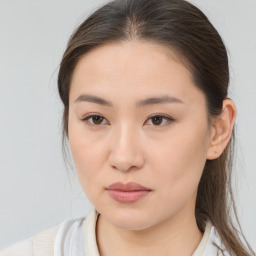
(36, 191)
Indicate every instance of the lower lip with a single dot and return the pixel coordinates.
(127, 196)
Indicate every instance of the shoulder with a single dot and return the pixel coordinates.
(22, 248)
(215, 245)
(211, 243)
(44, 242)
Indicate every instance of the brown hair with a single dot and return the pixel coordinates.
(182, 27)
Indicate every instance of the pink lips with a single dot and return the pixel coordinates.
(127, 193)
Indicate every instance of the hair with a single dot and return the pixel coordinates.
(182, 27)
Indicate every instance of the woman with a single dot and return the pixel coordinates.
(144, 85)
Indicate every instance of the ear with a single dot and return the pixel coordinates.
(221, 129)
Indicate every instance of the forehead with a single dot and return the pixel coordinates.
(132, 68)
(116, 57)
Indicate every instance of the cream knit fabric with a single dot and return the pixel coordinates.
(76, 237)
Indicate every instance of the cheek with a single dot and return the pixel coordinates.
(180, 160)
(86, 155)
(87, 165)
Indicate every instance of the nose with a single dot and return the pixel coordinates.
(126, 153)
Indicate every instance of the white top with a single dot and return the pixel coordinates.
(77, 237)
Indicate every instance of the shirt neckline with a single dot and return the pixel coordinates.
(90, 244)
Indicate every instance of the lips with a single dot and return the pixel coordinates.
(127, 193)
(130, 186)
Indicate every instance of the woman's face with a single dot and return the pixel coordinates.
(149, 127)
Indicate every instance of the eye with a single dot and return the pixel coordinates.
(96, 119)
(157, 120)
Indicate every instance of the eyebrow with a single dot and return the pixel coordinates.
(142, 103)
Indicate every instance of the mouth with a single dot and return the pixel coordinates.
(127, 193)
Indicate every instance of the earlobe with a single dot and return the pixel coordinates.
(222, 129)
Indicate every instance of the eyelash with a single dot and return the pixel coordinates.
(86, 119)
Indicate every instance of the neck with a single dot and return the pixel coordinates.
(177, 235)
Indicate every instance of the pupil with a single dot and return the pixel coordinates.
(158, 119)
(97, 119)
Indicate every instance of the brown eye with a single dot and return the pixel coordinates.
(157, 120)
(95, 120)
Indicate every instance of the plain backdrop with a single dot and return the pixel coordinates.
(36, 191)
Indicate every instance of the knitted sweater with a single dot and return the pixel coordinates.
(76, 237)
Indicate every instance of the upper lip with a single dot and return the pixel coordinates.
(130, 186)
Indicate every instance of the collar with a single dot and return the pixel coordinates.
(206, 246)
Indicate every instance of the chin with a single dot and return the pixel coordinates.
(131, 225)
(129, 219)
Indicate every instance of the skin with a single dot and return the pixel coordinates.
(129, 145)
